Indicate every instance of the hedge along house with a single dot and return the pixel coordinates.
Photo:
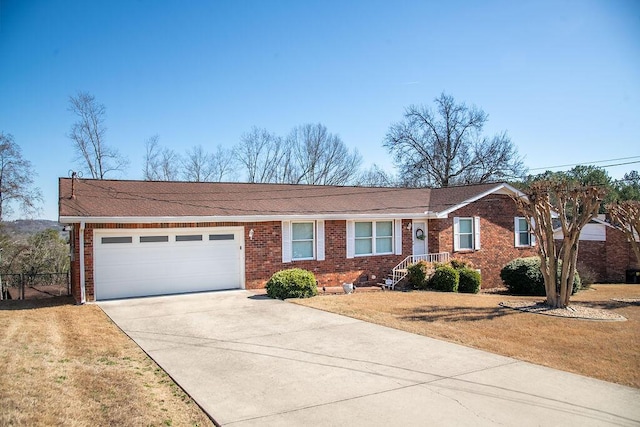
(140, 238)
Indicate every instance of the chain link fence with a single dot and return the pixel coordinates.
(34, 285)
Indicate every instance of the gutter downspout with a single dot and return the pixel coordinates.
(82, 275)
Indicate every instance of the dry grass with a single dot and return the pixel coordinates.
(64, 364)
(606, 350)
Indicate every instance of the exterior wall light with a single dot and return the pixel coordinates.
(251, 234)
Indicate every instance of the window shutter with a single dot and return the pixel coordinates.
(533, 235)
(398, 242)
(476, 230)
(286, 241)
(456, 234)
(320, 240)
(516, 231)
(351, 239)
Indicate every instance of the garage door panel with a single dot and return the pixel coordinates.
(146, 267)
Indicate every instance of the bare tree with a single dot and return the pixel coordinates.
(573, 206)
(309, 155)
(320, 157)
(224, 165)
(88, 136)
(170, 162)
(626, 215)
(16, 180)
(151, 168)
(375, 176)
(447, 147)
(200, 166)
(160, 164)
(264, 157)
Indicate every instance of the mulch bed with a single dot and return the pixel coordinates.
(572, 311)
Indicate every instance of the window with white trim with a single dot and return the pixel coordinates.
(373, 238)
(302, 240)
(466, 233)
(465, 237)
(523, 233)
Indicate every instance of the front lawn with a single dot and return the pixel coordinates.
(606, 350)
(64, 364)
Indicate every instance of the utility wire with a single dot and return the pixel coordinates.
(591, 163)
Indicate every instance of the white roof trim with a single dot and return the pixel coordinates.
(261, 218)
(500, 188)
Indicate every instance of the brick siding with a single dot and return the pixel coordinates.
(497, 247)
(263, 255)
(608, 260)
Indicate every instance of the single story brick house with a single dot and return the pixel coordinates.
(139, 238)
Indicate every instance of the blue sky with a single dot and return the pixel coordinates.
(561, 77)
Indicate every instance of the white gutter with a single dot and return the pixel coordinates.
(247, 218)
(82, 275)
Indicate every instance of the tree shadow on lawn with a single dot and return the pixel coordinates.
(36, 303)
(474, 314)
(458, 314)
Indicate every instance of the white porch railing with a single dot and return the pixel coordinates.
(401, 270)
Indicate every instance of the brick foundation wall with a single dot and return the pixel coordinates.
(497, 213)
(263, 255)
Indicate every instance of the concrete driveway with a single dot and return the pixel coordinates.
(249, 360)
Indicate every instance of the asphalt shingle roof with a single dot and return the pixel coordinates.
(118, 198)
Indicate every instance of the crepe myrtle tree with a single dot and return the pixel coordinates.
(571, 205)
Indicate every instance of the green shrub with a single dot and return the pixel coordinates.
(445, 278)
(470, 280)
(522, 276)
(418, 274)
(292, 283)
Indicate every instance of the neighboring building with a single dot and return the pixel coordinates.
(138, 238)
(603, 250)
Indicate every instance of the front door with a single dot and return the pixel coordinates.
(419, 238)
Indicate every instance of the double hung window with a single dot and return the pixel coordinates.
(302, 240)
(466, 233)
(373, 238)
(523, 233)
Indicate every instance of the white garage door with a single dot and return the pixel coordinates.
(129, 263)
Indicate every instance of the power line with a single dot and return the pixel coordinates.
(592, 163)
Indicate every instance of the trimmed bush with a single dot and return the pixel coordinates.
(470, 280)
(418, 274)
(522, 276)
(292, 283)
(445, 278)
